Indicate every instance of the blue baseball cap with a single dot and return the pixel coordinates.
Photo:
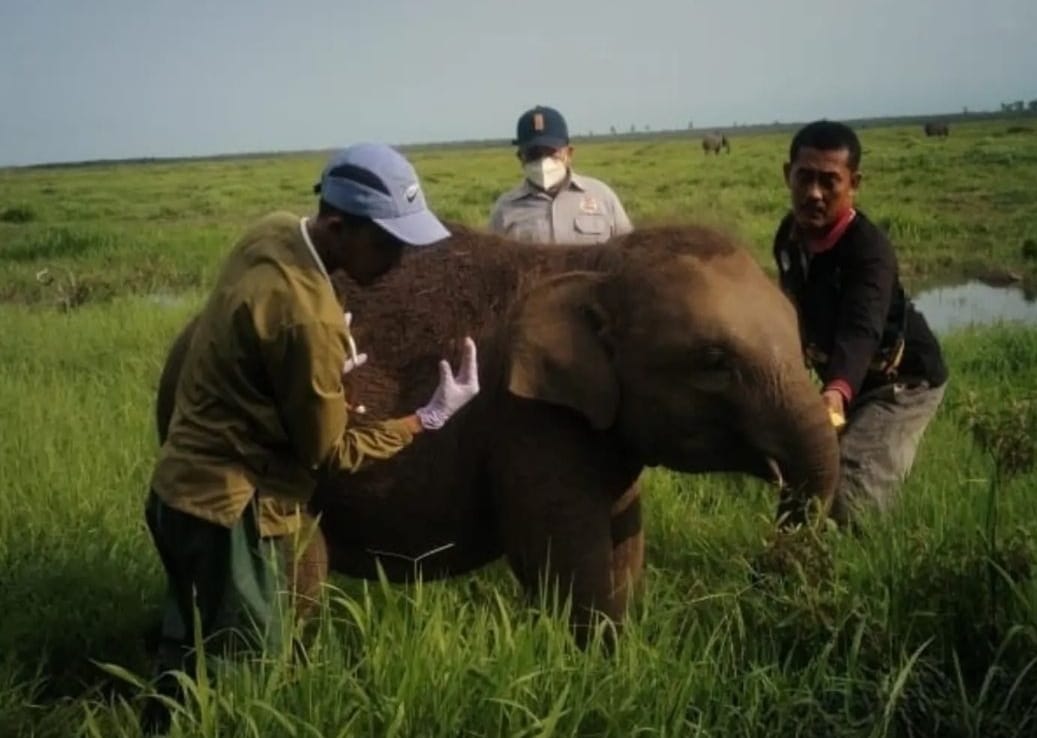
(541, 126)
(374, 180)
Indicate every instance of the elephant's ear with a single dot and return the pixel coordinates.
(559, 348)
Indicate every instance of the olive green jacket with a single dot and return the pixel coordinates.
(259, 403)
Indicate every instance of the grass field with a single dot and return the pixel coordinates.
(925, 626)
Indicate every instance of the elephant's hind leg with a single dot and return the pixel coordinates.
(306, 559)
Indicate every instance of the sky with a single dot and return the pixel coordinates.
(95, 79)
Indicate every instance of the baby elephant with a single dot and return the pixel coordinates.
(665, 347)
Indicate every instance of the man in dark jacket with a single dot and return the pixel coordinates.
(882, 371)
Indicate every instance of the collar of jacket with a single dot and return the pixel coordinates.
(312, 249)
(830, 239)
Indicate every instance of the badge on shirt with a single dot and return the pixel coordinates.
(588, 205)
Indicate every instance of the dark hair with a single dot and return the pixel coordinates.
(827, 135)
(325, 208)
(356, 222)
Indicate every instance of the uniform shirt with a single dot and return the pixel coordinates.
(584, 211)
(259, 403)
(852, 307)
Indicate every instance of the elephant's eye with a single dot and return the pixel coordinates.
(713, 358)
(712, 368)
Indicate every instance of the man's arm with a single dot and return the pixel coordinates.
(497, 218)
(783, 255)
(867, 289)
(621, 224)
(305, 364)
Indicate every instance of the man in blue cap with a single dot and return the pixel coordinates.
(260, 411)
(553, 204)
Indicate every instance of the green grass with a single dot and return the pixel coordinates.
(952, 206)
(909, 630)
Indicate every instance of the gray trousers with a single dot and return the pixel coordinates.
(878, 445)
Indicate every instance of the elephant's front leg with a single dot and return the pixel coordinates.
(628, 545)
(568, 512)
(558, 539)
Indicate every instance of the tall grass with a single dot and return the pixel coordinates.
(892, 633)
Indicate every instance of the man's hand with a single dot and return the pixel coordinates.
(834, 400)
(453, 393)
(836, 404)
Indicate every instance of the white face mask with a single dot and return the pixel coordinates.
(545, 173)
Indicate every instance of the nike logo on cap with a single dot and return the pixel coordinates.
(411, 192)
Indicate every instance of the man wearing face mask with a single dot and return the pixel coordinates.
(553, 204)
(260, 411)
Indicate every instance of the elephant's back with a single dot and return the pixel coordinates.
(431, 493)
(420, 312)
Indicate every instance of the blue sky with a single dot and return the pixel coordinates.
(84, 79)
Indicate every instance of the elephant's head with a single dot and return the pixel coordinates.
(685, 348)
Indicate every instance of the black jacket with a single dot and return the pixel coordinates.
(853, 308)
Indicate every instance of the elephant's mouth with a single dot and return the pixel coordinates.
(775, 472)
(731, 455)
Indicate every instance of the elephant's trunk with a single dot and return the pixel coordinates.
(803, 442)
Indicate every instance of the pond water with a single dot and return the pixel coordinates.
(975, 303)
(945, 308)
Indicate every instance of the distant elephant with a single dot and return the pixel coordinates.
(714, 142)
(937, 129)
(665, 347)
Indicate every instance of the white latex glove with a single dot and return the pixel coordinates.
(453, 393)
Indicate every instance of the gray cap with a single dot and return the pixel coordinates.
(374, 180)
